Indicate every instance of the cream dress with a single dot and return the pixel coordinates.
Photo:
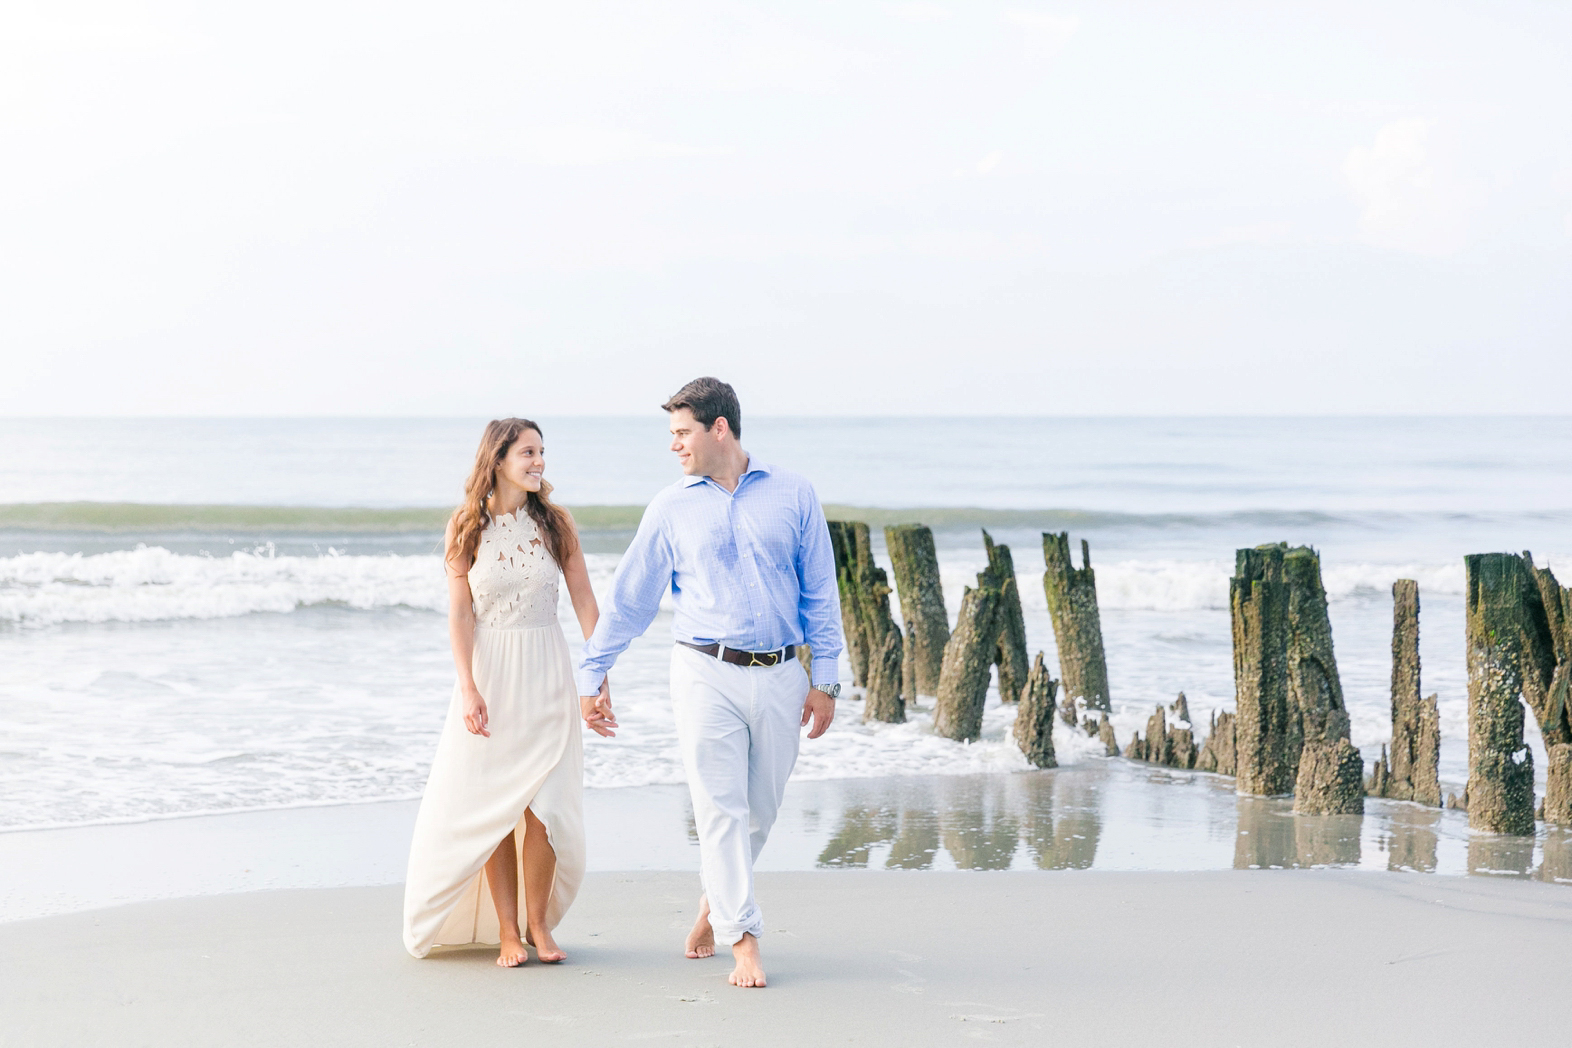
(480, 787)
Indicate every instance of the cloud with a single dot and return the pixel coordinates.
(987, 164)
(1051, 31)
(1410, 198)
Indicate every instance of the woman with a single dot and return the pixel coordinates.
(502, 815)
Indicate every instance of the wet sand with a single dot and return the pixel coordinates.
(1313, 957)
(1100, 815)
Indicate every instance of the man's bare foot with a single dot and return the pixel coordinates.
(513, 953)
(750, 968)
(701, 940)
(546, 947)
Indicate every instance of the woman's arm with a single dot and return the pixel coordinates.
(576, 574)
(461, 634)
(595, 709)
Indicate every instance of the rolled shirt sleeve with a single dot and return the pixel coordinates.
(820, 602)
(642, 578)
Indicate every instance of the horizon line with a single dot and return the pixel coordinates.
(861, 415)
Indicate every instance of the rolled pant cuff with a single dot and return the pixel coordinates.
(731, 934)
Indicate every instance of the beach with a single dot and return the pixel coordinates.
(1235, 958)
(219, 702)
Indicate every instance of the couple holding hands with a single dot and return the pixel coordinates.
(745, 553)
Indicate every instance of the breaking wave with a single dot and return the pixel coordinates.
(150, 583)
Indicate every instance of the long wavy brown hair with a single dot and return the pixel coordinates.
(474, 513)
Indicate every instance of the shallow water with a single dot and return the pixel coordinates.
(1123, 815)
(1101, 814)
(144, 675)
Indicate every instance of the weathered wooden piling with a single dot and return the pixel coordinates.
(883, 700)
(1010, 655)
(1165, 744)
(1182, 749)
(1158, 747)
(1077, 626)
(1265, 763)
(963, 678)
(1557, 806)
(916, 566)
(1380, 778)
(1217, 752)
(1034, 719)
(1519, 644)
(1408, 770)
(1331, 779)
(1135, 749)
(843, 541)
(1181, 710)
(872, 638)
(1548, 689)
(1290, 698)
(1331, 773)
(1105, 735)
(1502, 596)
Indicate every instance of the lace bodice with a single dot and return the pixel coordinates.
(514, 580)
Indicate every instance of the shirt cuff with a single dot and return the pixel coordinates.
(588, 680)
(826, 669)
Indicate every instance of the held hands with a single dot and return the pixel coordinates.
(596, 710)
(475, 712)
(821, 708)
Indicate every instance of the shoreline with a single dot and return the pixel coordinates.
(1213, 958)
(1108, 816)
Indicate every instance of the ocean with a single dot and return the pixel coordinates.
(158, 663)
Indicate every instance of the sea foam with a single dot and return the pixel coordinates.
(150, 583)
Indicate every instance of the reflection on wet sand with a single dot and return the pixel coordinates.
(1556, 866)
(1271, 837)
(1409, 838)
(979, 822)
(1328, 840)
(1119, 815)
(1498, 854)
(1064, 836)
(1265, 835)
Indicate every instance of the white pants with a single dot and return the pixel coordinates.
(738, 728)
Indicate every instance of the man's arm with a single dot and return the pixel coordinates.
(820, 606)
(643, 577)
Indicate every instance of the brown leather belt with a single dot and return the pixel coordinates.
(744, 658)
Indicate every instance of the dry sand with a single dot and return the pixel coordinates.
(1077, 958)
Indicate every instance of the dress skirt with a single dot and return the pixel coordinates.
(480, 788)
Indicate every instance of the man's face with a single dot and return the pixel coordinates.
(696, 447)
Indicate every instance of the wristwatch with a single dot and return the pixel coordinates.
(832, 690)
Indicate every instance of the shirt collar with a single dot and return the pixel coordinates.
(755, 465)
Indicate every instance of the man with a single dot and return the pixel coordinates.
(743, 548)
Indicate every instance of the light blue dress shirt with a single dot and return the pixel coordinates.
(752, 569)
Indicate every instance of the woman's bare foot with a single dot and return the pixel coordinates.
(750, 968)
(513, 953)
(701, 940)
(546, 948)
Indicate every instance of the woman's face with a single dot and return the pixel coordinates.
(524, 463)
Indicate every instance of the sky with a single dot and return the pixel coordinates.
(907, 208)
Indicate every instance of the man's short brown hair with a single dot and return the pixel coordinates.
(709, 399)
